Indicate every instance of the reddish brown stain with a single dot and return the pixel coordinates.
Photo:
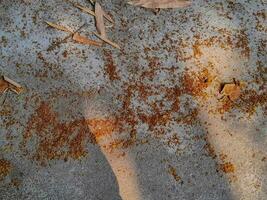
(55, 139)
(173, 172)
(5, 168)
(110, 66)
(227, 167)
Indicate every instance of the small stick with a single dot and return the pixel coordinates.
(12, 82)
(91, 12)
(107, 41)
(53, 46)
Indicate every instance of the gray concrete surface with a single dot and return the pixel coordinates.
(161, 90)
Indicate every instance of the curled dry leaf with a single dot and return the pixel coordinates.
(99, 17)
(107, 41)
(231, 90)
(83, 40)
(3, 86)
(160, 3)
(59, 27)
(6, 83)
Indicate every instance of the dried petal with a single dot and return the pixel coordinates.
(160, 3)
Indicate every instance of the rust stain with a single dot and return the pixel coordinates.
(110, 67)
(5, 168)
(102, 127)
(173, 172)
(248, 102)
(56, 140)
(227, 167)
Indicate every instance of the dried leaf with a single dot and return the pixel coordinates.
(3, 86)
(16, 89)
(100, 26)
(83, 40)
(160, 3)
(59, 27)
(107, 41)
(231, 90)
(7, 83)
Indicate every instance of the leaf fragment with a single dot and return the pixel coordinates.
(231, 90)
(7, 83)
(59, 27)
(3, 86)
(107, 41)
(100, 26)
(83, 40)
(160, 3)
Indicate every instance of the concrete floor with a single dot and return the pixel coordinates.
(94, 121)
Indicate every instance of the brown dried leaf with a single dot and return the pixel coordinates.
(108, 41)
(100, 26)
(160, 3)
(83, 40)
(59, 27)
(7, 83)
(3, 86)
(231, 90)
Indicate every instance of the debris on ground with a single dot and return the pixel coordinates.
(107, 41)
(100, 25)
(231, 90)
(99, 18)
(3, 86)
(160, 3)
(8, 84)
(75, 35)
(86, 10)
(99, 15)
(59, 27)
(83, 40)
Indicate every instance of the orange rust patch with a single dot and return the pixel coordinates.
(56, 140)
(195, 83)
(110, 67)
(5, 168)
(173, 172)
(15, 182)
(249, 101)
(227, 167)
(210, 149)
(102, 127)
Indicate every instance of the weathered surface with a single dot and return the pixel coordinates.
(158, 98)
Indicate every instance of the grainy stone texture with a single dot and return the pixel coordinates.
(158, 98)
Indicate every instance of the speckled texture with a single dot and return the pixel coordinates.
(158, 98)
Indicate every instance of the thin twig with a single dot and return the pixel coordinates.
(54, 45)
